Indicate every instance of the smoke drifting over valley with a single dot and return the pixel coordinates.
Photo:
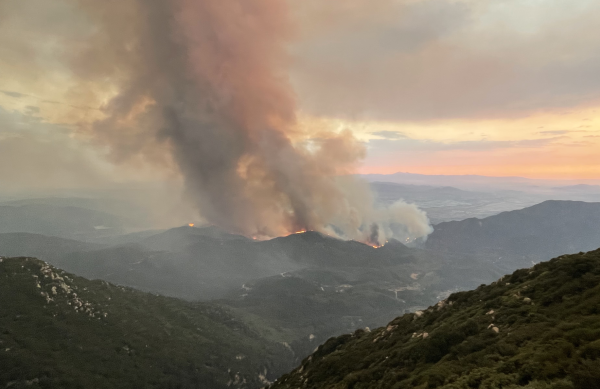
(200, 87)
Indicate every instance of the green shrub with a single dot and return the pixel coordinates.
(551, 343)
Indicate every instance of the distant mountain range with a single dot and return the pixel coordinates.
(62, 221)
(521, 238)
(446, 203)
(85, 219)
(580, 188)
(476, 182)
(536, 328)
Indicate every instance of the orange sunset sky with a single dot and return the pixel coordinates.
(459, 87)
(488, 87)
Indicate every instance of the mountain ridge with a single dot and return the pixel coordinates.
(519, 237)
(536, 328)
(60, 330)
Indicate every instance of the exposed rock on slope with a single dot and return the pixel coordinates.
(291, 287)
(59, 330)
(536, 328)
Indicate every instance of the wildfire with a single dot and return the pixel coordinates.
(297, 232)
(191, 224)
(376, 246)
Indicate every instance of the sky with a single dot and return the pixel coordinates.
(489, 87)
(500, 87)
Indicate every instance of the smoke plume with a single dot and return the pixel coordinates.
(201, 85)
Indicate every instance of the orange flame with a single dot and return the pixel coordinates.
(191, 224)
(296, 232)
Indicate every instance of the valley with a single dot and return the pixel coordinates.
(298, 291)
(535, 328)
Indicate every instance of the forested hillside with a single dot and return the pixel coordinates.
(517, 238)
(62, 331)
(537, 328)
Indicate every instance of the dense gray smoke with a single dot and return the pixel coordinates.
(374, 237)
(200, 85)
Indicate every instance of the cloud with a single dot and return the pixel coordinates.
(409, 144)
(389, 134)
(32, 110)
(35, 155)
(440, 59)
(15, 124)
(409, 64)
(556, 132)
(13, 94)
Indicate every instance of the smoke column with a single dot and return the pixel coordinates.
(201, 84)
